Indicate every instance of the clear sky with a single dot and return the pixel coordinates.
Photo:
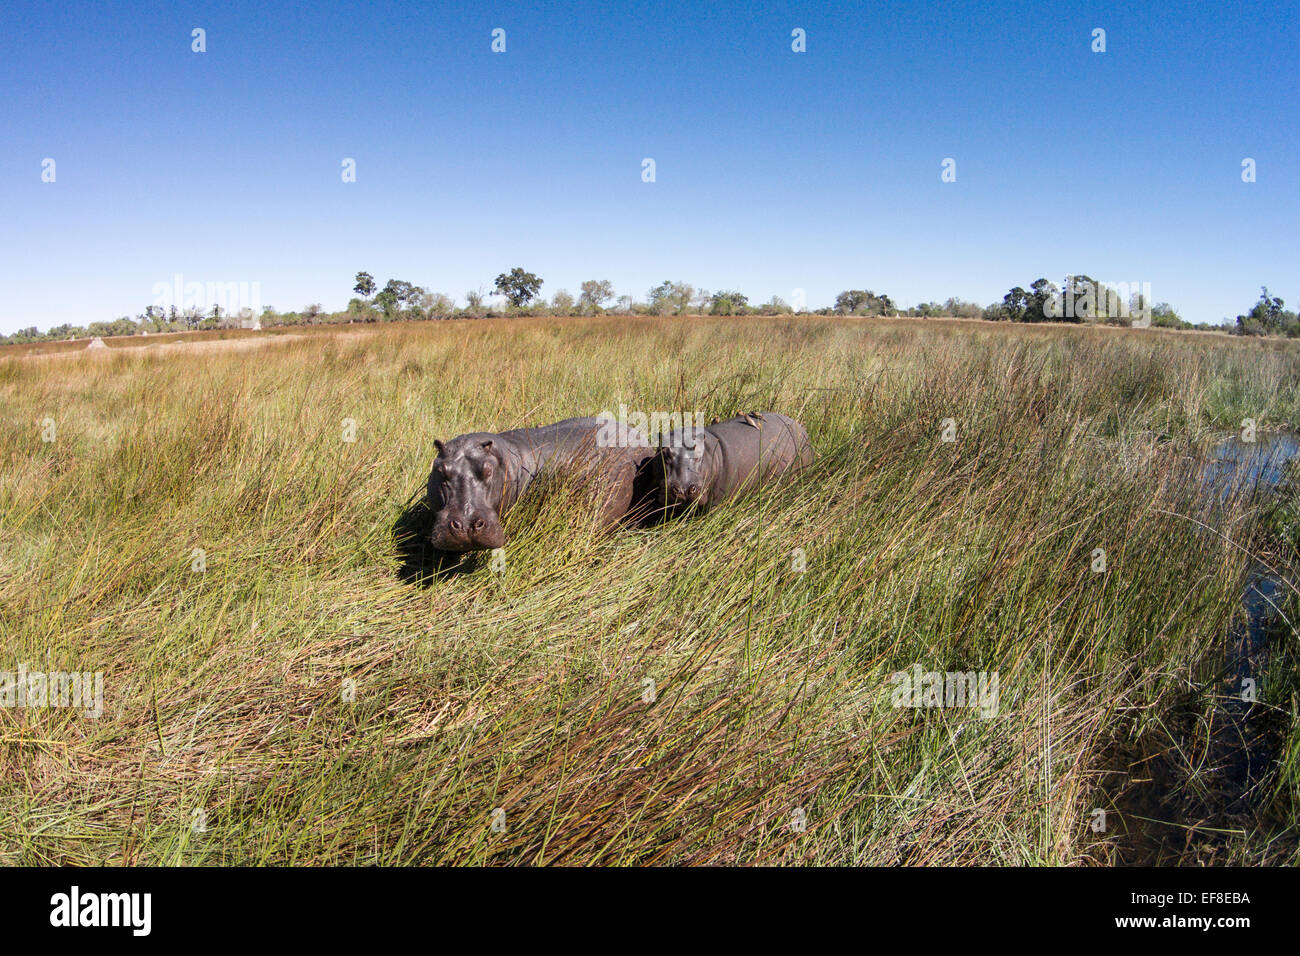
(775, 170)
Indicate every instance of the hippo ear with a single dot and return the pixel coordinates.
(438, 445)
(487, 445)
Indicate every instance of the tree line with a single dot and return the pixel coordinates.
(518, 293)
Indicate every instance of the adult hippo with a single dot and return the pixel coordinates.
(705, 466)
(478, 477)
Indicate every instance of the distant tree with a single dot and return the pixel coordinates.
(682, 294)
(365, 286)
(863, 302)
(435, 305)
(851, 300)
(562, 303)
(1083, 297)
(729, 303)
(413, 298)
(402, 290)
(474, 303)
(1163, 316)
(386, 299)
(594, 293)
(1039, 301)
(962, 310)
(660, 298)
(518, 286)
(671, 298)
(1267, 317)
(776, 306)
(311, 312)
(396, 295)
(1015, 303)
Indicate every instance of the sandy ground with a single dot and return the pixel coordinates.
(138, 345)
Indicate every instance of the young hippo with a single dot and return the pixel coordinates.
(705, 466)
(476, 478)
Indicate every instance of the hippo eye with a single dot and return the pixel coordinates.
(487, 470)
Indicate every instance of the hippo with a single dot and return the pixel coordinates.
(706, 466)
(478, 477)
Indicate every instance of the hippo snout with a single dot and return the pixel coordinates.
(679, 493)
(475, 525)
(470, 533)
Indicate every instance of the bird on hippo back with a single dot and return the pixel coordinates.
(702, 467)
(478, 477)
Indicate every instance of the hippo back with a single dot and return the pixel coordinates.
(756, 448)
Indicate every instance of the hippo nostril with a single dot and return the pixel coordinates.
(456, 524)
(477, 525)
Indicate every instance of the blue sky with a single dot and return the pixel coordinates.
(775, 170)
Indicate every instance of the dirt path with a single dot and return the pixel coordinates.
(179, 347)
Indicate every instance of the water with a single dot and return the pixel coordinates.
(1235, 466)
(1252, 470)
(1197, 779)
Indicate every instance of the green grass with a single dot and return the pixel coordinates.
(224, 690)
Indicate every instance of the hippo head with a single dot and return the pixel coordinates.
(466, 487)
(682, 462)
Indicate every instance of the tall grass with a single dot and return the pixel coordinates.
(227, 735)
